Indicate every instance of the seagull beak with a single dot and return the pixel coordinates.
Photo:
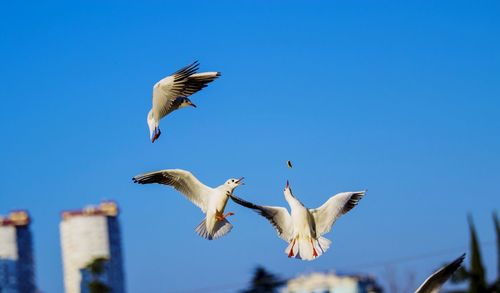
(192, 105)
(287, 185)
(239, 181)
(156, 135)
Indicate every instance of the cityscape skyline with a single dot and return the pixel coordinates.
(397, 98)
(93, 233)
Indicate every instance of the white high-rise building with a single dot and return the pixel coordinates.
(332, 283)
(86, 235)
(17, 272)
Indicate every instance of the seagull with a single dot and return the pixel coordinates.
(211, 201)
(436, 280)
(303, 229)
(172, 92)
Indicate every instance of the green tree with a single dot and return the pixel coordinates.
(496, 285)
(477, 280)
(96, 268)
(264, 282)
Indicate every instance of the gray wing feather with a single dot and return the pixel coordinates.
(338, 205)
(182, 83)
(181, 180)
(277, 216)
(436, 280)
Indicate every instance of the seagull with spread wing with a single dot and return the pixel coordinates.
(211, 201)
(172, 92)
(303, 228)
(436, 280)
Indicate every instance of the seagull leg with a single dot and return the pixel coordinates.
(220, 217)
(315, 253)
(290, 254)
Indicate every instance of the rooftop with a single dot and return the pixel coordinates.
(319, 281)
(16, 218)
(106, 208)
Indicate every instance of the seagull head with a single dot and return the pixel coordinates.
(186, 102)
(151, 124)
(154, 131)
(233, 183)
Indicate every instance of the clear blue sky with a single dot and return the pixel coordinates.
(402, 99)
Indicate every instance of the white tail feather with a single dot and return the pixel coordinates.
(303, 248)
(322, 245)
(220, 229)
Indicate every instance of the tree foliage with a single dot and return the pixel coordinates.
(477, 280)
(96, 268)
(264, 282)
(496, 286)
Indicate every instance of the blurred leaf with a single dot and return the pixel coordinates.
(477, 278)
(264, 282)
(96, 266)
(98, 287)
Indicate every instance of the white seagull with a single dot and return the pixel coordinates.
(436, 280)
(303, 229)
(211, 201)
(170, 94)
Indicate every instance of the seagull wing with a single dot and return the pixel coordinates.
(436, 280)
(333, 208)
(183, 181)
(182, 83)
(277, 216)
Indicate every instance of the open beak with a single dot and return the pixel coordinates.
(157, 134)
(192, 105)
(239, 181)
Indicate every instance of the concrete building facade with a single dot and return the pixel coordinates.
(332, 283)
(88, 234)
(17, 270)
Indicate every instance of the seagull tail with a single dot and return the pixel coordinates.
(322, 245)
(303, 247)
(220, 229)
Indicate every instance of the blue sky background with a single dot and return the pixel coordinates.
(399, 98)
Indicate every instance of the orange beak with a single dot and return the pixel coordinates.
(239, 180)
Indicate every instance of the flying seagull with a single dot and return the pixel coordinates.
(172, 92)
(436, 280)
(211, 201)
(303, 229)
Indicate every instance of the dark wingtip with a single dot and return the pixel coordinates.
(462, 257)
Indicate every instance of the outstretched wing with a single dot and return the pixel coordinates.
(333, 208)
(436, 280)
(277, 216)
(183, 181)
(182, 83)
